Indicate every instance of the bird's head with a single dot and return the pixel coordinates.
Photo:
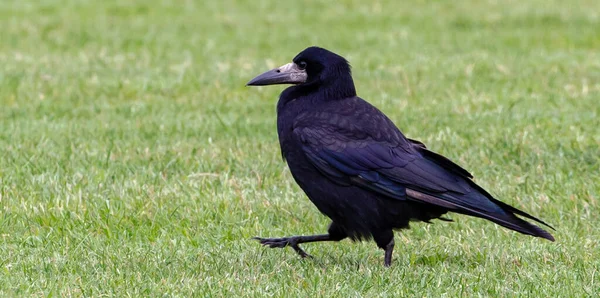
(312, 69)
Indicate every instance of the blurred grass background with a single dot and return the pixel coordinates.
(134, 162)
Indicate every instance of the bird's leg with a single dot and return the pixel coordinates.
(334, 233)
(389, 249)
(385, 241)
(293, 242)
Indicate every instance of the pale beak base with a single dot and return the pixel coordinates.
(286, 74)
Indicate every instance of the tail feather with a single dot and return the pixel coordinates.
(514, 223)
(507, 207)
(505, 216)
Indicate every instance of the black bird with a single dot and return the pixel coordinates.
(356, 166)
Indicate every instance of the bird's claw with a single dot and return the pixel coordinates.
(283, 242)
(273, 242)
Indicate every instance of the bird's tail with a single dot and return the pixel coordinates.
(506, 216)
(511, 221)
(503, 214)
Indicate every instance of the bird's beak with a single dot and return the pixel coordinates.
(287, 74)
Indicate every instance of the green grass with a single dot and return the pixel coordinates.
(134, 162)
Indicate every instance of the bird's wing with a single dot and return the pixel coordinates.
(380, 166)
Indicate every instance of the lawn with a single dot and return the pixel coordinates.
(134, 161)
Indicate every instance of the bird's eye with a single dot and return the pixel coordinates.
(302, 65)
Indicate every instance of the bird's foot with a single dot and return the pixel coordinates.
(283, 242)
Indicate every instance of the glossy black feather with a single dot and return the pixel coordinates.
(359, 169)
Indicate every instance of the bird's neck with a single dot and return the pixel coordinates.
(335, 89)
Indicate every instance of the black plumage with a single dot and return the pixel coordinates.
(357, 167)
